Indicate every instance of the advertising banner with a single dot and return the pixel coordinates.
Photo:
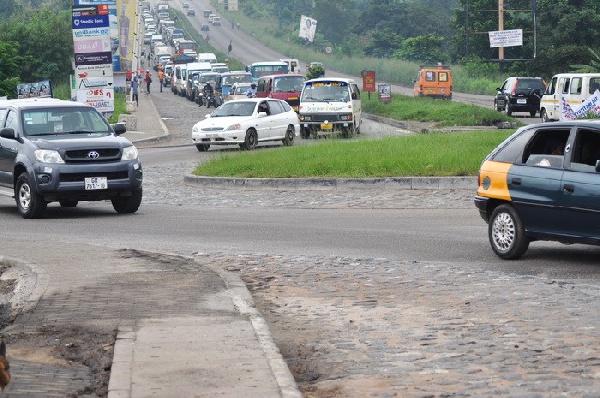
(573, 112)
(100, 98)
(506, 38)
(308, 27)
(93, 56)
(368, 80)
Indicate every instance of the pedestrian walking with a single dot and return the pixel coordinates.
(161, 77)
(148, 80)
(135, 85)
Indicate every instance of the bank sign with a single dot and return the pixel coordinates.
(92, 53)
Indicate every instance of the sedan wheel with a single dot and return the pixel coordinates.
(251, 139)
(506, 233)
(289, 137)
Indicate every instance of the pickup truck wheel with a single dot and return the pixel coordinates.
(251, 139)
(506, 233)
(29, 203)
(289, 137)
(128, 204)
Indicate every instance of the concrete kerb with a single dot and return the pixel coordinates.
(433, 183)
(31, 283)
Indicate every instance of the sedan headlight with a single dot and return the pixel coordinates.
(48, 156)
(129, 153)
(236, 126)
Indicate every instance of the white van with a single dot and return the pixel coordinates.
(179, 79)
(575, 88)
(182, 84)
(207, 57)
(329, 104)
(293, 64)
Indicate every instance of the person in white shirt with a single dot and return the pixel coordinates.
(251, 93)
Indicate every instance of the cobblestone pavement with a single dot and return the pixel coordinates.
(372, 327)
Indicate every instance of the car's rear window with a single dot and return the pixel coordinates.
(530, 84)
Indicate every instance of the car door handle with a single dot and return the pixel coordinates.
(516, 181)
(569, 188)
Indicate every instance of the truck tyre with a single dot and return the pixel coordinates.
(29, 203)
(128, 204)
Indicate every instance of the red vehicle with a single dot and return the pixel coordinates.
(285, 87)
(187, 46)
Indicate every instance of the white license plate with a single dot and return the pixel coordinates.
(93, 183)
(521, 100)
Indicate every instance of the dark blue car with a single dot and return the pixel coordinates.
(542, 183)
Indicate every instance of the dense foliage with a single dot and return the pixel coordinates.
(34, 44)
(448, 31)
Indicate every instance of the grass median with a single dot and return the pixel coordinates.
(435, 154)
(431, 154)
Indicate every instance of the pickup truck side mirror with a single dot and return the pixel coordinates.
(8, 133)
(119, 128)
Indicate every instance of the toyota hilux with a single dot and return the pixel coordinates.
(53, 150)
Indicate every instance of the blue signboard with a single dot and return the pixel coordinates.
(92, 21)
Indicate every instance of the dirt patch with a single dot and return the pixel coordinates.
(69, 348)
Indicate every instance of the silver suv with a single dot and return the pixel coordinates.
(62, 151)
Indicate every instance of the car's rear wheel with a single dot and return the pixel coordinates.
(128, 204)
(29, 203)
(506, 233)
(289, 137)
(532, 112)
(202, 147)
(251, 139)
(507, 108)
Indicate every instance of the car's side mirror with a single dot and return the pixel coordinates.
(119, 128)
(8, 133)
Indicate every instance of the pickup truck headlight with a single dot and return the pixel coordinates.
(48, 156)
(129, 153)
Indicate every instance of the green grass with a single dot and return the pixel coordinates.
(436, 154)
(445, 113)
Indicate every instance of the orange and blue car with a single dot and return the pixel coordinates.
(542, 183)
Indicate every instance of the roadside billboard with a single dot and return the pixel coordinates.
(308, 28)
(93, 56)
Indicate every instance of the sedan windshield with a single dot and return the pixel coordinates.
(238, 108)
(53, 121)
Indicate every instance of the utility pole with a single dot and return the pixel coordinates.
(501, 27)
(280, 12)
